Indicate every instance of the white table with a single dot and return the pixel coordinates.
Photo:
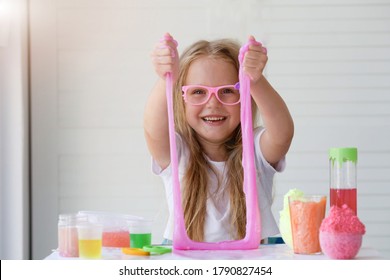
(264, 252)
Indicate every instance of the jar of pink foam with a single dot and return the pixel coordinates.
(340, 245)
(341, 233)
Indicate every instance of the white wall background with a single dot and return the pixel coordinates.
(91, 75)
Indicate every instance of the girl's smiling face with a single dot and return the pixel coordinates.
(213, 122)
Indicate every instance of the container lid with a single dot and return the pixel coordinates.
(110, 220)
(140, 226)
(343, 154)
(71, 218)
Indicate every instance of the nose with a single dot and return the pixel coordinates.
(213, 100)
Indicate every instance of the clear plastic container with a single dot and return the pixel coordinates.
(140, 233)
(90, 240)
(343, 177)
(67, 234)
(115, 227)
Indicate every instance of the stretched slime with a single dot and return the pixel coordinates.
(181, 241)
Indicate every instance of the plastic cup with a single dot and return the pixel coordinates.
(140, 233)
(68, 242)
(90, 240)
(306, 214)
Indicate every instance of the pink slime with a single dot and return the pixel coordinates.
(181, 241)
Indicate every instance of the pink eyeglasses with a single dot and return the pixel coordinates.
(199, 95)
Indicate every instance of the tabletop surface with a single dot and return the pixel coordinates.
(264, 252)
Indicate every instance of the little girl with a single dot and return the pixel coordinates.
(208, 136)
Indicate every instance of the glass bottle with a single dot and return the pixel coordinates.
(343, 177)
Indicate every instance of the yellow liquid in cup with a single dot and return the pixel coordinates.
(90, 248)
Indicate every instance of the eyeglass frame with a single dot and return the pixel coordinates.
(210, 91)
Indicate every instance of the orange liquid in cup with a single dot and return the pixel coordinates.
(306, 218)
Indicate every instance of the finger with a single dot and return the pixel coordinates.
(255, 45)
(255, 58)
(167, 59)
(163, 51)
(169, 45)
(254, 69)
(258, 66)
(168, 40)
(259, 48)
(168, 37)
(156, 56)
(255, 53)
(252, 41)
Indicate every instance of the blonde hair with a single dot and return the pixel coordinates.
(196, 178)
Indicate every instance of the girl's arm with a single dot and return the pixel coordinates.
(278, 122)
(164, 59)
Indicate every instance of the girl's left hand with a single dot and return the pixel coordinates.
(255, 60)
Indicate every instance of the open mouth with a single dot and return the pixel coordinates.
(213, 119)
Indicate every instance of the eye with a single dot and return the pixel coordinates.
(227, 91)
(198, 91)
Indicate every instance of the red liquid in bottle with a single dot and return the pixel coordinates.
(339, 197)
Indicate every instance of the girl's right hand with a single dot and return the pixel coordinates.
(165, 57)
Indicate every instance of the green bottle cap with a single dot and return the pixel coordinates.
(343, 154)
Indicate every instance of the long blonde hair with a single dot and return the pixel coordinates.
(196, 177)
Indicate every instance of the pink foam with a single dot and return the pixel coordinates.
(340, 245)
(341, 233)
(342, 219)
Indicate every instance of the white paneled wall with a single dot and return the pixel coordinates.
(91, 75)
(332, 65)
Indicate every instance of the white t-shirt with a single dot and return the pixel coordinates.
(217, 224)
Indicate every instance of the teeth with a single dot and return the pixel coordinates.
(213, 119)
